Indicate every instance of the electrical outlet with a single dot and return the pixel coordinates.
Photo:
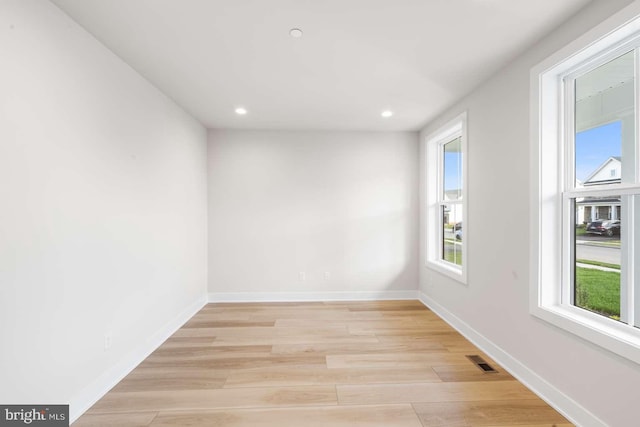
(108, 341)
(303, 276)
(327, 275)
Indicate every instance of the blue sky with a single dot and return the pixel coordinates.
(451, 177)
(596, 145)
(593, 147)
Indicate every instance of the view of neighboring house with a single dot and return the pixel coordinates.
(591, 208)
(452, 213)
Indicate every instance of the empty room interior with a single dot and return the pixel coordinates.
(321, 213)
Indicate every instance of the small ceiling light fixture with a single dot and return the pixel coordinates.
(241, 111)
(296, 33)
(387, 113)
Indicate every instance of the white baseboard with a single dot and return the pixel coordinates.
(89, 395)
(311, 296)
(571, 410)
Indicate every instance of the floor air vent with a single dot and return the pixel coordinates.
(482, 364)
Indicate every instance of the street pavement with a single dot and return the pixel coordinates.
(587, 250)
(587, 247)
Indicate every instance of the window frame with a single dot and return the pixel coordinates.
(551, 146)
(434, 161)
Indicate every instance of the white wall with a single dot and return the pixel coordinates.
(592, 383)
(102, 211)
(281, 203)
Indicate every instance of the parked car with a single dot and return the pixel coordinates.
(606, 228)
(458, 234)
(457, 226)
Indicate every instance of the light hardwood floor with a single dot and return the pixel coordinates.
(343, 364)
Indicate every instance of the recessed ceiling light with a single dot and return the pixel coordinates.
(241, 111)
(296, 33)
(387, 113)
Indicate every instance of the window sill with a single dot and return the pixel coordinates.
(448, 269)
(619, 338)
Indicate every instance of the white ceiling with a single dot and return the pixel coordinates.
(356, 58)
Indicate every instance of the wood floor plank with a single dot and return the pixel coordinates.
(231, 362)
(226, 316)
(327, 314)
(452, 341)
(464, 373)
(135, 419)
(395, 360)
(208, 323)
(207, 399)
(393, 314)
(431, 392)
(402, 322)
(266, 306)
(358, 348)
(312, 375)
(279, 340)
(336, 416)
(186, 342)
(171, 355)
(256, 331)
(210, 350)
(536, 425)
(422, 329)
(173, 378)
(404, 305)
(487, 413)
(229, 350)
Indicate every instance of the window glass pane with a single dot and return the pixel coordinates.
(598, 255)
(452, 233)
(605, 123)
(452, 169)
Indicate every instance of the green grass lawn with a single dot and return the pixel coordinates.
(598, 291)
(454, 257)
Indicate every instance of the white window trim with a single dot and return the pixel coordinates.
(455, 128)
(546, 202)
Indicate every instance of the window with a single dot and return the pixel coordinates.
(446, 199)
(586, 175)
